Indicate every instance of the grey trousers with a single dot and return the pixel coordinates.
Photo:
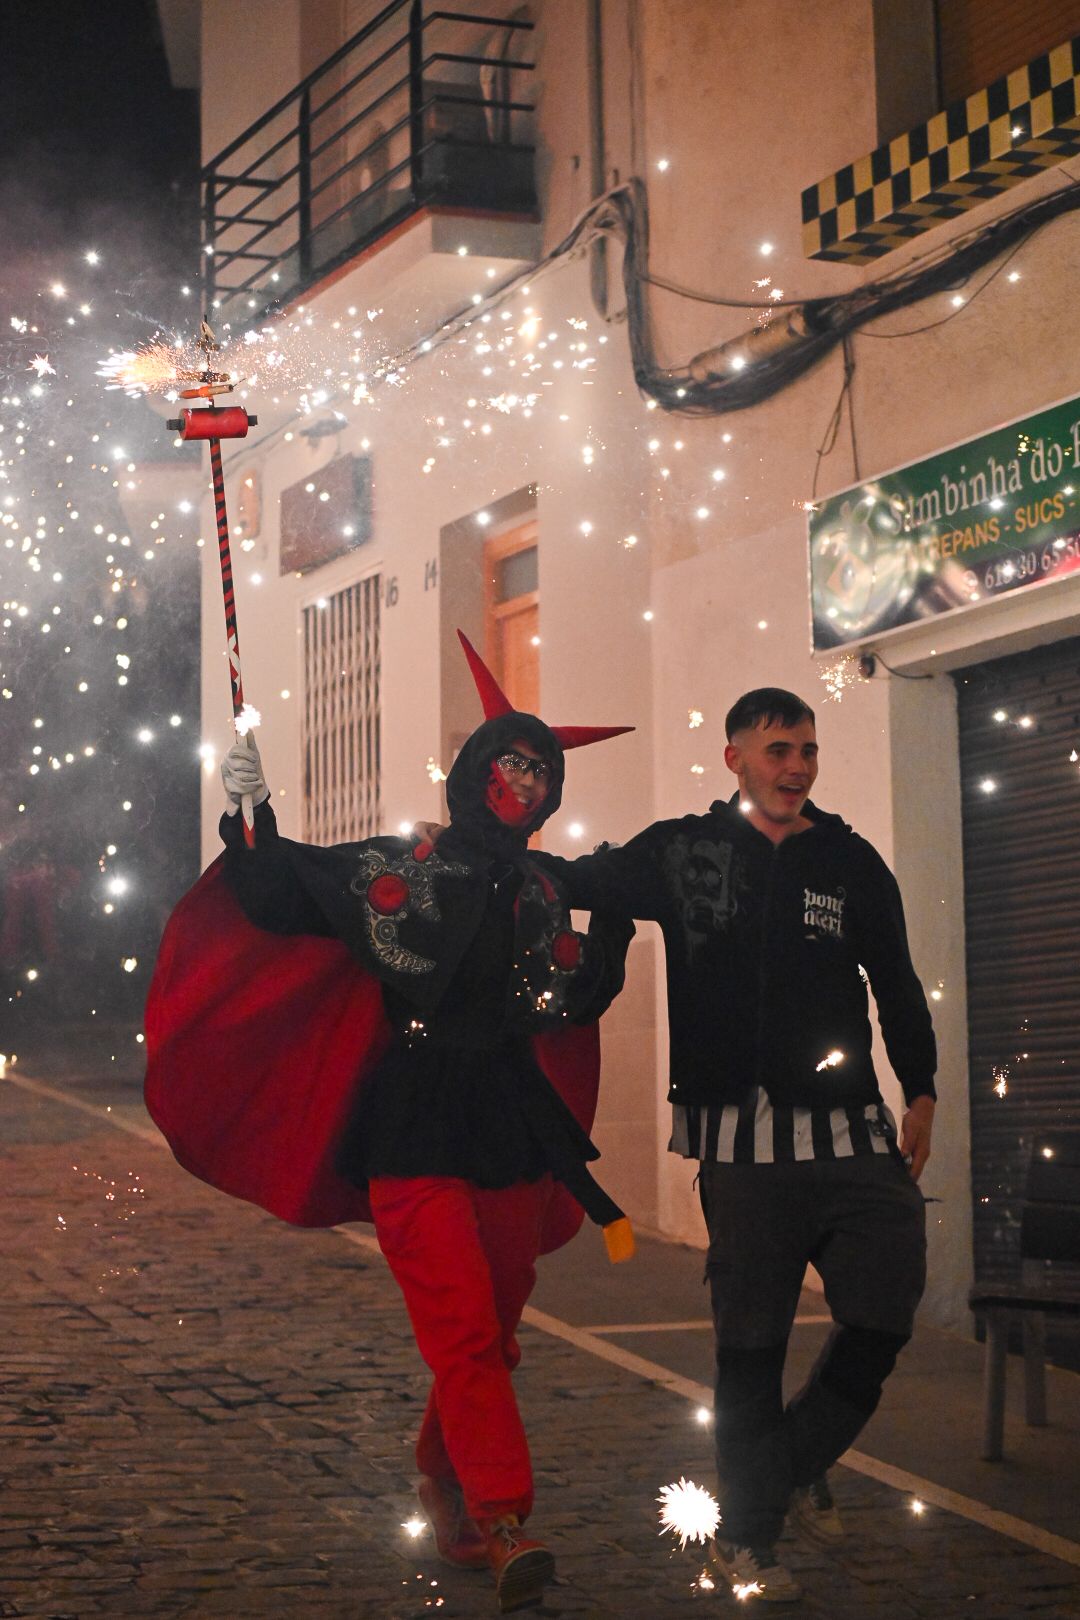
(861, 1222)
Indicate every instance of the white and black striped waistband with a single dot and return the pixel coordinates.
(756, 1132)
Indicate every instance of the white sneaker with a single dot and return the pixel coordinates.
(755, 1572)
(813, 1511)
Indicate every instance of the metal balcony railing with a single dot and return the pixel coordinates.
(414, 110)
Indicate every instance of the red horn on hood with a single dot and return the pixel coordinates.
(492, 696)
(496, 702)
(582, 736)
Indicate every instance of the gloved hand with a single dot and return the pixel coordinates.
(242, 774)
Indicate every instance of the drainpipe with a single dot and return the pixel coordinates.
(598, 267)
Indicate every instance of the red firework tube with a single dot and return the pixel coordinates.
(225, 556)
(230, 422)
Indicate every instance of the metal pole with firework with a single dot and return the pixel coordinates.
(215, 424)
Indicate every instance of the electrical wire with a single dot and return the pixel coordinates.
(708, 384)
(832, 431)
(914, 331)
(900, 674)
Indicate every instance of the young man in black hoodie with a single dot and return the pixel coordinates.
(775, 916)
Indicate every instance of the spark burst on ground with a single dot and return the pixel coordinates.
(689, 1511)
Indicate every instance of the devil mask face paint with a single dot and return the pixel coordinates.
(505, 803)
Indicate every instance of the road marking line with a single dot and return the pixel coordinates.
(965, 1507)
(589, 1340)
(681, 1327)
(650, 1327)
(145, 1133)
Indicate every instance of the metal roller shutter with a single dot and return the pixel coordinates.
(980, 40)
(1020, 779)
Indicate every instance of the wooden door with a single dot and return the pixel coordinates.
(512, 615)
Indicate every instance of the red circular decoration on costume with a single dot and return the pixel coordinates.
(387, 894)
(566, 949)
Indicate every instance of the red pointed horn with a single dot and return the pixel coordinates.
(492, 696)
(582, 736)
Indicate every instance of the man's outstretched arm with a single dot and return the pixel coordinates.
(622, 878)
(618, 878)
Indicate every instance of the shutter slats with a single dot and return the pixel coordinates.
(1022, 916)
(982, 40)
(342, 696)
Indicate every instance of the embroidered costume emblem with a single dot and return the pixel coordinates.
(551, 953)
(390, 887)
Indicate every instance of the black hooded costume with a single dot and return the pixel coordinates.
(433, 1012)
(473, 947)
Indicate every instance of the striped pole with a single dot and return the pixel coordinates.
(212, 424)
(232, 638)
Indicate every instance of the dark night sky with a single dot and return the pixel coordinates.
(96, 151)
(93, 138)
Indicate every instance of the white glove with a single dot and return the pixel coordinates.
(242, 774)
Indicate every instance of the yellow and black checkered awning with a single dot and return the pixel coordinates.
(1019, 125)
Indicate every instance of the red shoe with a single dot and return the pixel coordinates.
(459, 1540)
(522, 1567)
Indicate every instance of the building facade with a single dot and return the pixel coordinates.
(469, 416)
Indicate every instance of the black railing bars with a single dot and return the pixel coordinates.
(413, 110)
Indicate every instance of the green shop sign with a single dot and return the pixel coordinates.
(997, 514)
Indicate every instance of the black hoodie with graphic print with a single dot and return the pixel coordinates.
(769, 948)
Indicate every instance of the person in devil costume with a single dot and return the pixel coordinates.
(455, 1092)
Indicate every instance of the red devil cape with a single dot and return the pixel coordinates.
(256, 1044)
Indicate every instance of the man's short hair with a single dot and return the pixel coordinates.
(768, 705)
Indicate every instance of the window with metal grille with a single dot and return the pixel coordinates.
(341, 715)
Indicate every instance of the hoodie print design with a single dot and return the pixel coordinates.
(823, 914)
(703, 876)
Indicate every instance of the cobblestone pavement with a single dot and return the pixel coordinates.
(206, 1413)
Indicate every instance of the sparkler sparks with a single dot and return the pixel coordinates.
(830, 1060)
(840, 675)
(689, 1511)
(40, 365)
(248, 718)
(414, 1527)
(1001, 1080)
(152, 369)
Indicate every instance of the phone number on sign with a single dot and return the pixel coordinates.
(1022, 567)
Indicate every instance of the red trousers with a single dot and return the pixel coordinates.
(464, 1258)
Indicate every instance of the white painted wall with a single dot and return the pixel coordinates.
(749, 102)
